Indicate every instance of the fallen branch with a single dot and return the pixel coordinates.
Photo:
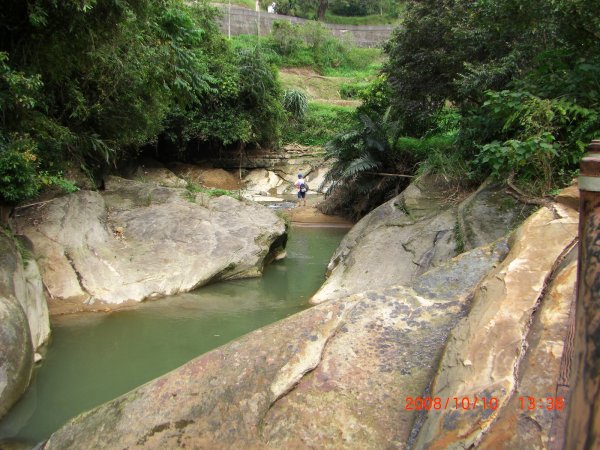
(33, 204)
(520, 196)
(390, 174)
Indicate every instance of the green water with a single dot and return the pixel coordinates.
(94, 358)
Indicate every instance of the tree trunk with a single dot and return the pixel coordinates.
(323, 4)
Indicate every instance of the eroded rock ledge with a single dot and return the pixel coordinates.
(333, 376)
(489, 322)
(137, 240)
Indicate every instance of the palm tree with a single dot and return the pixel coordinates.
(359, 156)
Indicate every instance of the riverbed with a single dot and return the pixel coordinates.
(96, 357)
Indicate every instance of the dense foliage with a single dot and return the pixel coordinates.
(511, 87)
(332, 9)
(363, 7)
(308, 45)
(93, 81)
(524, 76)
(320, 123)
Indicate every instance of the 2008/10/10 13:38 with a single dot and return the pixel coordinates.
(439, 403)
(491, 403)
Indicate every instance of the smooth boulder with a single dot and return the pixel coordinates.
(419, 229)
(24, 323)
(393, 244)
(333, 376)
(137, 240)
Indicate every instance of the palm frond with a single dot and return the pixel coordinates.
(362, 164)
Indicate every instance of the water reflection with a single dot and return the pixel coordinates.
(94, 358)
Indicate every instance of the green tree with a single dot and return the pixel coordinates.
(94, 81)
(311, 9)
(359, 157)
(479, 57)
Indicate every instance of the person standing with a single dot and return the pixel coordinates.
(301, 186)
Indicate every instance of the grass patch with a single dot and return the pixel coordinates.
(438, 154)
(338, 83)
(219, 192)
(459, 239)
(362, 63)
(321, 123)
(317, 87)
(372, 19)
(192, 189)
(353, 90)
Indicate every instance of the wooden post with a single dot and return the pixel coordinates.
(583, 427)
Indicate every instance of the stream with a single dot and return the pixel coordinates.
(95, 357)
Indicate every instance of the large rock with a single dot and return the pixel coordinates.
(528, 412)
(265, 181)
(138, 240)
(393, 244)
(30, 293)
(485, 351)
(158, 175)
(24, 323)
(488, 214)
(419, 229)
(16, 353)
(206, 176)
(333, 376)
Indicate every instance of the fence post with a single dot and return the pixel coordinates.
(583, 427)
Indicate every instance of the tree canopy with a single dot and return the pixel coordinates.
(93, 81)
(503, 87)
(316, 9)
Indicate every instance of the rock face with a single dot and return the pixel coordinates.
(349, 373)
(24, 323)
(280, 180)
(274, 173)
(406, 236)
(539, 371)
(138, 240)
(151, 171)
(334, 376)
(208, 177)
(489, 214)
(413, 232)
(485, 351)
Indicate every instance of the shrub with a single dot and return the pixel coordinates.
(18, 169)
(353, 90)
(321, 123)
(295, 103)
(532, 138)
(285, 37)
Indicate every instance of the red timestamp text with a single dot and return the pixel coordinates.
(443, 403)
(548, 403)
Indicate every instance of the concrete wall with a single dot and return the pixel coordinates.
(245, 21)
